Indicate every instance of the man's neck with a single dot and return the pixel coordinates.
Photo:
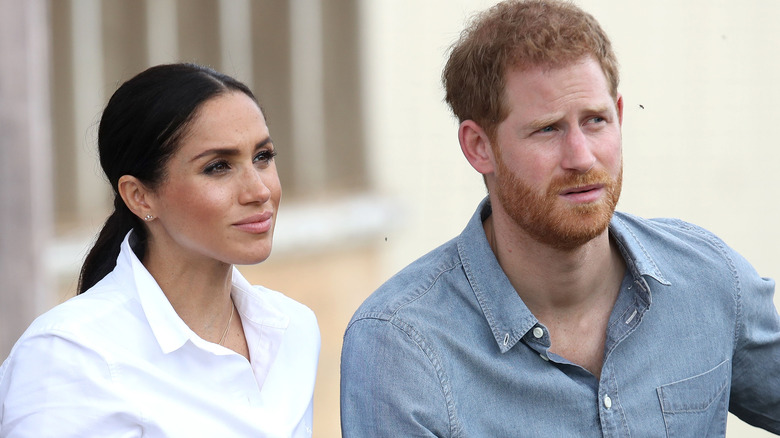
(571, 292)
(547, 277)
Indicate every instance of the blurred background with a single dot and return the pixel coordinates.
(372, 172)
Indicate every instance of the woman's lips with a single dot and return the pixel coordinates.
(256, 224)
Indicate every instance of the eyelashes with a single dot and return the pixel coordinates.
(216, 167)
(223, 165)
(265, 156)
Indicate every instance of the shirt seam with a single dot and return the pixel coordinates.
(441, 374)
(424, 291)
(617, 402)
(113, 370)
(420, 292)
(419, 341)
(721, 250)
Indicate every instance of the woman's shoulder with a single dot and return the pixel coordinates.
(94, 314)
(263, 303)
(283, 302)
(270, 308)
(297, 315)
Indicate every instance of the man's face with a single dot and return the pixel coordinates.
(557, 156)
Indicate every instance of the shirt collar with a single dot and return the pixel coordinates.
(507, 315)
(254, 307)
(639, 260)
(169, 329)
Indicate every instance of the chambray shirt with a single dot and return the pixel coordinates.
(447, 348)
(118, 361)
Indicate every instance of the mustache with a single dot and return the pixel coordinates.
(576, 179)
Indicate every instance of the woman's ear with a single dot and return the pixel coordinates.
(136, 195)
(476, 147)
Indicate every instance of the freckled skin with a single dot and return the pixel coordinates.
(222, 173)
(562, 132)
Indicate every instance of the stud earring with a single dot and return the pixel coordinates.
(148, 217)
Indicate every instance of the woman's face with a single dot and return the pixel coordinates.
(221, 191)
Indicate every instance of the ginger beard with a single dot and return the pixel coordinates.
(546, 218)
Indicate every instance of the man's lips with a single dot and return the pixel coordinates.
(257, 223)
(582, 189)
(583, 194)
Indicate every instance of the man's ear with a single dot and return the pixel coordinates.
(619, 106)
(136, 195)
(476, 147)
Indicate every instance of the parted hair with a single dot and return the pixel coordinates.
(518, 34)
(140, 129)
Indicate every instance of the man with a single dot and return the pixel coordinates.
(552, 315)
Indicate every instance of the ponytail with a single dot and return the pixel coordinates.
(102, 257)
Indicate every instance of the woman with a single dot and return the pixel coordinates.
(166, 338)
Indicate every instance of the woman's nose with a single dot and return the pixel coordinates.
(254, 187)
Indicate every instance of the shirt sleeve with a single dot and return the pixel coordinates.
(391, 383)
(51, 386)
(755, 390)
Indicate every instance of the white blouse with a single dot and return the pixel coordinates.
(118, 361)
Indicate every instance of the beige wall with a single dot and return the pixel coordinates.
(702, 149)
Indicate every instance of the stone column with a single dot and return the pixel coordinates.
(25, 166)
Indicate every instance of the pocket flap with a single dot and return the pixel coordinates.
(696, 393)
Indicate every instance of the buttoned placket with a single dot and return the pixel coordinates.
(630, 310)
(538, 339)
(630, 314)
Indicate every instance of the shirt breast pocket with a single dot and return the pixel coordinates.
(697, 406)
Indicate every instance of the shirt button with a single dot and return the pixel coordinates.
(538, 332)
(607, 402)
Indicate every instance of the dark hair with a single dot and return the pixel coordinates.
(140, 129)
(519, 34)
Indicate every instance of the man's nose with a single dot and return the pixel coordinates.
(577, 154)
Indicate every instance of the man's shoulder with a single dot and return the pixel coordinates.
(414, 284)
(672, 245)
(662, 230)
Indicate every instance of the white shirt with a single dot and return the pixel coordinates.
(117, 361)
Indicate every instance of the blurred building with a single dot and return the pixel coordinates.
(369, 160)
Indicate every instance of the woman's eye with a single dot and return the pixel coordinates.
(265, 156)
(219, 166)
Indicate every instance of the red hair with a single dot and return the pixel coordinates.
(519, 34)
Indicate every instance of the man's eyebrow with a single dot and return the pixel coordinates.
(228, 151)
(544, 122)
(600, 109)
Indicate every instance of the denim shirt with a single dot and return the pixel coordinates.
(447, 348)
